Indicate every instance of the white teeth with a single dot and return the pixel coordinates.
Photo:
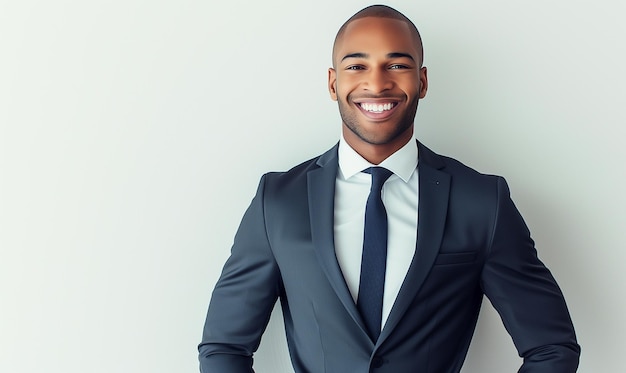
(376, 108)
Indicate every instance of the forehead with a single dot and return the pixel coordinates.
(372, 35)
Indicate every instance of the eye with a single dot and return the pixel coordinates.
(398, 67)
(355, 67)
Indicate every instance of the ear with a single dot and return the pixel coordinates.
(332, 83)
(423, 82)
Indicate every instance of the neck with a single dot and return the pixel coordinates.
(375, 153)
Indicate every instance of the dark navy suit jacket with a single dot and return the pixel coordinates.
(471, 242)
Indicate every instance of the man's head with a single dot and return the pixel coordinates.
(377, 79)
(381, 11)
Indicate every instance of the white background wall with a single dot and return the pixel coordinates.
(133, 134)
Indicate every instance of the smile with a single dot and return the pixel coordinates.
(377, 108)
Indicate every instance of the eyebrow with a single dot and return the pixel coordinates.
(389, 55)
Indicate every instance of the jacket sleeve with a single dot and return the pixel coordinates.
(243, 298)
(526, 296)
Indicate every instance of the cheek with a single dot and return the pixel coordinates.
(412, 86)
(344, 87)
(343, 94)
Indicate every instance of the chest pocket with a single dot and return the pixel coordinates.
(455, 258)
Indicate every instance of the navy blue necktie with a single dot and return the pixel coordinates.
(374, 257)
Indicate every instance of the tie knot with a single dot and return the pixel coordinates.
(379, 176)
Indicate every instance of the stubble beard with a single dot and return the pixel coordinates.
(351, 121)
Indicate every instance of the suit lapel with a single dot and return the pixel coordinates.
(321, 194)
(434, 188)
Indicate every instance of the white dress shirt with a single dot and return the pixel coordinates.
(399, 195)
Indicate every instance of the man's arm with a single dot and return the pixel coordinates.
(243, 298)
(526, 295)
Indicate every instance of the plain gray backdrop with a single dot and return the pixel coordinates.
(133, 134)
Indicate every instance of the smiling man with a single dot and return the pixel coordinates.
(381, 250)
(377, 78)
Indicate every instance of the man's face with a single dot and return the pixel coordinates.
(377, 81)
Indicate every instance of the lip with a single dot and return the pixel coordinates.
(377, 116)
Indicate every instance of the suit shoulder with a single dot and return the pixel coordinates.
(466, 181)
(474, 196)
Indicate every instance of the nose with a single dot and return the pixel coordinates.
(378, 80)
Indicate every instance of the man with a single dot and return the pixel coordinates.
(392, 283)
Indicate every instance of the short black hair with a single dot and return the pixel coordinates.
(381, 11)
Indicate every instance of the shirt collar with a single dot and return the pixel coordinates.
(402, 163)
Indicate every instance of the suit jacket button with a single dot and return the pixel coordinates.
(377, 362)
